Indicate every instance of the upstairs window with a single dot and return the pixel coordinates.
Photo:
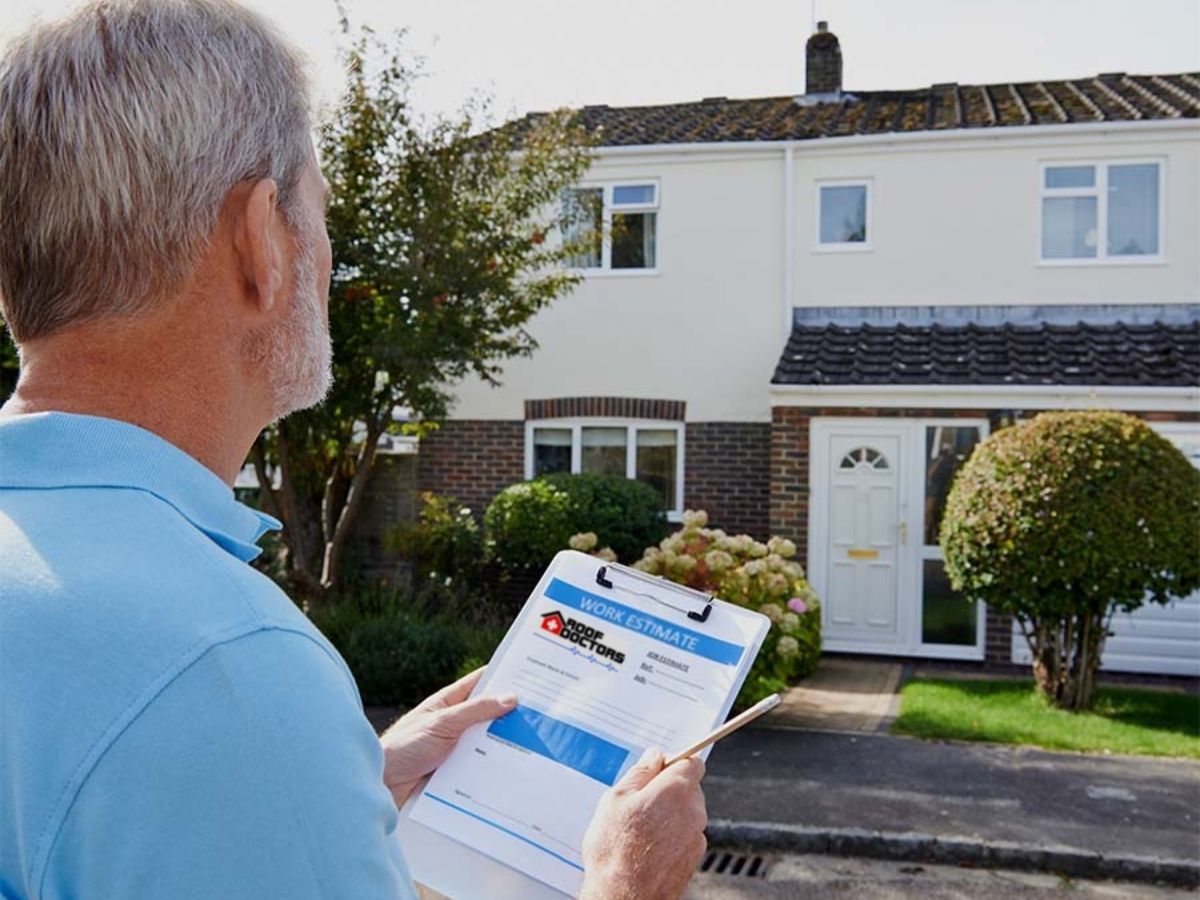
(1101, 211)
(614, 225)
(843, 216)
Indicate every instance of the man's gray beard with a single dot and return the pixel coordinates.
(297, 352)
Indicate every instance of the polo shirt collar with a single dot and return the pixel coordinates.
(59, 450)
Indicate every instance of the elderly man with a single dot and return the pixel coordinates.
(170, 725)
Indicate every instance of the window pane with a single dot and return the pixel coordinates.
(604, 451)
(1068, 227)
(1070, 176)
(551, 450)
(633, 193)
(1133, 210)
(583, 212)
(946, 449)
(844, 214)
(633, 240)
(656, 461)
(946, 618)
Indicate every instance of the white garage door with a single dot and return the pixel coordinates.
(1164, 640)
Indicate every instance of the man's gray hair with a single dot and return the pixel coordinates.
(122, 129)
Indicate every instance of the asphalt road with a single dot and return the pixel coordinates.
(840, 878)
(1114, 805)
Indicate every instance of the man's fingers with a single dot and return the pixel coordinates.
(690, 769)
(454, 693)
(456, 719)
(641, 772)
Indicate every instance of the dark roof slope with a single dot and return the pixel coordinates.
(1157, 354)
(1114, 97)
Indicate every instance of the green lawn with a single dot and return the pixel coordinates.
(1122, 720)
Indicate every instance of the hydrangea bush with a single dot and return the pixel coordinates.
(738, 569)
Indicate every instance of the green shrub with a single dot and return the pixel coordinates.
(758, 576)
(526, 524)
(399, 660)
(401, 645)
(529, 522)
(445, 541)
(1064, 519)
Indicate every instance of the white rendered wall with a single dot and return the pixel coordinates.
(954, 221)
(708, 329)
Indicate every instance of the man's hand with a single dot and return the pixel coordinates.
(420, 740)
(647, 836)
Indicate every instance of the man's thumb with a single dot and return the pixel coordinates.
(641, 772)
(461, 716)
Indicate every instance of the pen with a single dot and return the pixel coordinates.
(762, 706)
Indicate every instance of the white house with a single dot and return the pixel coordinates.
(817, 304)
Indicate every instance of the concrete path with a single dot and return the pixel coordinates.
(826, 877)
(878, 794)
(843, 694)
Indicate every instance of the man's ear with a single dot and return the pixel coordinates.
(259, 244)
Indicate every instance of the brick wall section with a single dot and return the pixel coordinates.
(727, 473)
(390, 500)
(789, 471)
(615, 407)
(472, 460)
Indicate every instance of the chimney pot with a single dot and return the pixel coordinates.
(823, 62)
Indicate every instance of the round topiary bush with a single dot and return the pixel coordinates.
(1064, 519)
(529, 522)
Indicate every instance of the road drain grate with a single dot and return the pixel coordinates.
(719, 862)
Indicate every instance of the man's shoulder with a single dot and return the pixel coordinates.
(107, 600)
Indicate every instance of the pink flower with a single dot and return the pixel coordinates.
(797, 605)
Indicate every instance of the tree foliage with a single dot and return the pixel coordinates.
(444, 246)
(1065, 519)
(8, 364)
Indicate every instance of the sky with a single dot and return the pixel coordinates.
(529, 55)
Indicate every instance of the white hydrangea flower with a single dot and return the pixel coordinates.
(607, 554)
(777, 583)
(754, 567)
(583, 542)
(790, 623)
(695, 518)
(772, 611)
(685, 562)
(717, 560)
(756, 549)
(787, 647)
(774, 562)
(781, 546)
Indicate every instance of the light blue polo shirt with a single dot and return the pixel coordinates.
(171, 725)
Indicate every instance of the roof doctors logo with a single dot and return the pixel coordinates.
(587, 637)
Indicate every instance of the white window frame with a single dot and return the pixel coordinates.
(866, 246)
(631, 426)
(605, 269)
(1099, 190)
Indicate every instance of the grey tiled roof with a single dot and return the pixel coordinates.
(1113, 97)
(1159, 354)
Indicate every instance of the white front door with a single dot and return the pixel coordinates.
(861, 552)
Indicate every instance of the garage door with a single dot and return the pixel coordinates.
(1163, 640)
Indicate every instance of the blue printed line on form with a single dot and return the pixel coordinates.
(500, 827)
(575, 651)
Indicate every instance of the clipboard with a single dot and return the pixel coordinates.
(597, 593)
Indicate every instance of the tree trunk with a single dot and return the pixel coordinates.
(299, 566)
(1066, 656)
(335, 540)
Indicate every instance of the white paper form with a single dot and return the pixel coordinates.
(600, 674)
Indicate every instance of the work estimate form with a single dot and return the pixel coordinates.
(600, 675)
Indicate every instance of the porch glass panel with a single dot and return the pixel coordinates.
(946, 617)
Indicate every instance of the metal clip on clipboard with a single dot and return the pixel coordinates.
(604, 579)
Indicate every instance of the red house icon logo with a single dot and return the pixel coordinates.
(552, 622)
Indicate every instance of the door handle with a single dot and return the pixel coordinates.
(904, 534)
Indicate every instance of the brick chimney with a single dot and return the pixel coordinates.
(823, 72)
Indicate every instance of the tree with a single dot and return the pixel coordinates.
(1066, 519)
(443, 248)
(8, 364)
